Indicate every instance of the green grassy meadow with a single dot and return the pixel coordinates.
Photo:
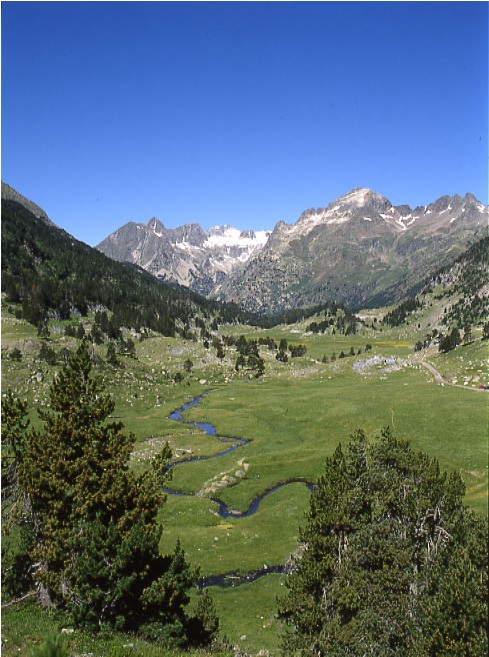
(27, 625)
(293, 417)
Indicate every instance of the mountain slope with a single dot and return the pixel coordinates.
(52, 274)
(464, 288)
(186, 255)
(10, 194)
(360, 250)
(463, 285)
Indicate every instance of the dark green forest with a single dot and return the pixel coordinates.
(52, 274)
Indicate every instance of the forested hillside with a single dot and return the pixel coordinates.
(53, 274)
(453, 302)
(469, 277)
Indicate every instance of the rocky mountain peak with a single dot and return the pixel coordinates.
(470, 200)
(443, 204)
(362, 198)
(360, 203)
(358, 196)
(359, 250)
(156, 226)
(190, 233)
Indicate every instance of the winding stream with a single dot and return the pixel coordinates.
(237, 578)
(234, 578)
(223, 510)
(207, 428)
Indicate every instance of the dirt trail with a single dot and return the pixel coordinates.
(439, 378)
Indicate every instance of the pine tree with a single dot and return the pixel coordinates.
(95, 536)
(112, 355)
(204, 625)
(72, 470)
(394, 564)
(17, 536)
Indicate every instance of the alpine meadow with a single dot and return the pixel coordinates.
(293, 464)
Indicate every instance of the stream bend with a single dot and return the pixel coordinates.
(235, 578)
(223, 510)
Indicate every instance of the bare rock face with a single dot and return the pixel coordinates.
(360, 250)
(185, 255)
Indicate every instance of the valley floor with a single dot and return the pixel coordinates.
(283, 425)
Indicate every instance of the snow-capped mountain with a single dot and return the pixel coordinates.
(359, 250)
(363, 204)
(186, 255)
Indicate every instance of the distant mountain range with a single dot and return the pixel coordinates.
(186, 255)
(360, 250)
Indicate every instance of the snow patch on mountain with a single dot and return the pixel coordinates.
(357, 197)
(187, 246)
(222, 236)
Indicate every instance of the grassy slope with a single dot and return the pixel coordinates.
(294, 416)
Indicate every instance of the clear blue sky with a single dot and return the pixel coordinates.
(244, 113)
